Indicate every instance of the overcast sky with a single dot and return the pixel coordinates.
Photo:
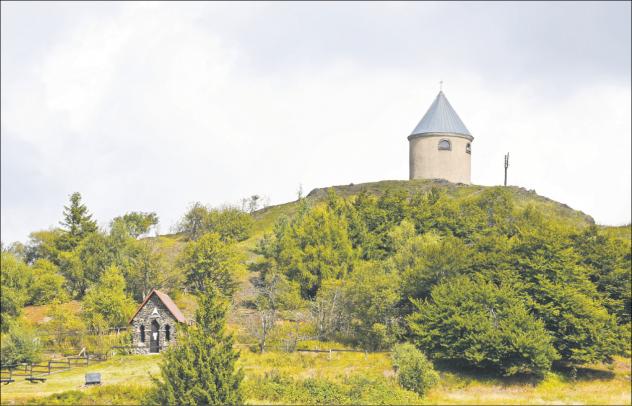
(150, 107)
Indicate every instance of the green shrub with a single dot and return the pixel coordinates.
(230, 223)
(20, 344)
(101, 395)
(106, 304)
(483, 325)
(47, 285)
(356, 389)
(321, 392)
(414, 371)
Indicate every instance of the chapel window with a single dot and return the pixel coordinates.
(444, 145)
(468, 148)
(142, 334)
(167, 333)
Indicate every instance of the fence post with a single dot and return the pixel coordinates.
(48, 367)
(329, 357)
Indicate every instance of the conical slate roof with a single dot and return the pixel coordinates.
(441, 118)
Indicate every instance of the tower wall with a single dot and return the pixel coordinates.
(427, 161)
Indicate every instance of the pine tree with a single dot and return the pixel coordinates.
(200, 370)
(77, 222)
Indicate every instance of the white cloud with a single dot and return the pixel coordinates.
(151, 107)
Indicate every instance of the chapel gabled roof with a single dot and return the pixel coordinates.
(166, 300)
(441, 118)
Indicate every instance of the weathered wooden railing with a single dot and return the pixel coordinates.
(35, 371)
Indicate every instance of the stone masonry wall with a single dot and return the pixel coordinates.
(145, 317)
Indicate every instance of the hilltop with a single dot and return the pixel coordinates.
(266, 217)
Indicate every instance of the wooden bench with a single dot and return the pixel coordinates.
(35, 379)
(7, 381)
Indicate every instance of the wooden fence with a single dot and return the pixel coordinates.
(34, 371)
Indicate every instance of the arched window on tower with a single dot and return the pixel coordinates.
(468, 148)
(444, 145)
(167, 333)
(142, 334)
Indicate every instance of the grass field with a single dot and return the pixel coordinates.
(128, 375)
(120, 370)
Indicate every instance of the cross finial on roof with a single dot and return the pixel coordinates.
(441, 85)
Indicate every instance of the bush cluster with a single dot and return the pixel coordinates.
(274, 387)
(414, 371)
(481, 279)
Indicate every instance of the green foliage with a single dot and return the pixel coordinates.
(210, 260)
(201, 370)
(64, 329)
(609, 262)
(20, 344)
(275, 387)
(15, 278)
(16, 248)
(370, 301)
(143, 266)
(310, 249)
(95, 254)
(45, 244)
(106, 305)
(327, 310)
(483, 325)
(82, 253)
(275, 295)
(425, 260)
(84, 265)
(77, 223)
(414, 371)
(47, 284)
(564, 279)
(561, 294)
(230, 223)
(127, 394)
(134, 223)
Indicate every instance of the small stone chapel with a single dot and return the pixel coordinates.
(156, 323)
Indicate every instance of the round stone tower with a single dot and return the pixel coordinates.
(440, 145)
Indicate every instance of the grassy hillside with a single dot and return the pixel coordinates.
(522, 196)
(266, 218)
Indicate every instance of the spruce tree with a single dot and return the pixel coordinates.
(77, 222)
(200, 370)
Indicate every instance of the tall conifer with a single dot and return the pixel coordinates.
(77, 222)
(200, 370)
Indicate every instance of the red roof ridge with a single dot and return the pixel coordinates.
(166, 300)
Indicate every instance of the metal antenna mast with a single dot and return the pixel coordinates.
(506, 166)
